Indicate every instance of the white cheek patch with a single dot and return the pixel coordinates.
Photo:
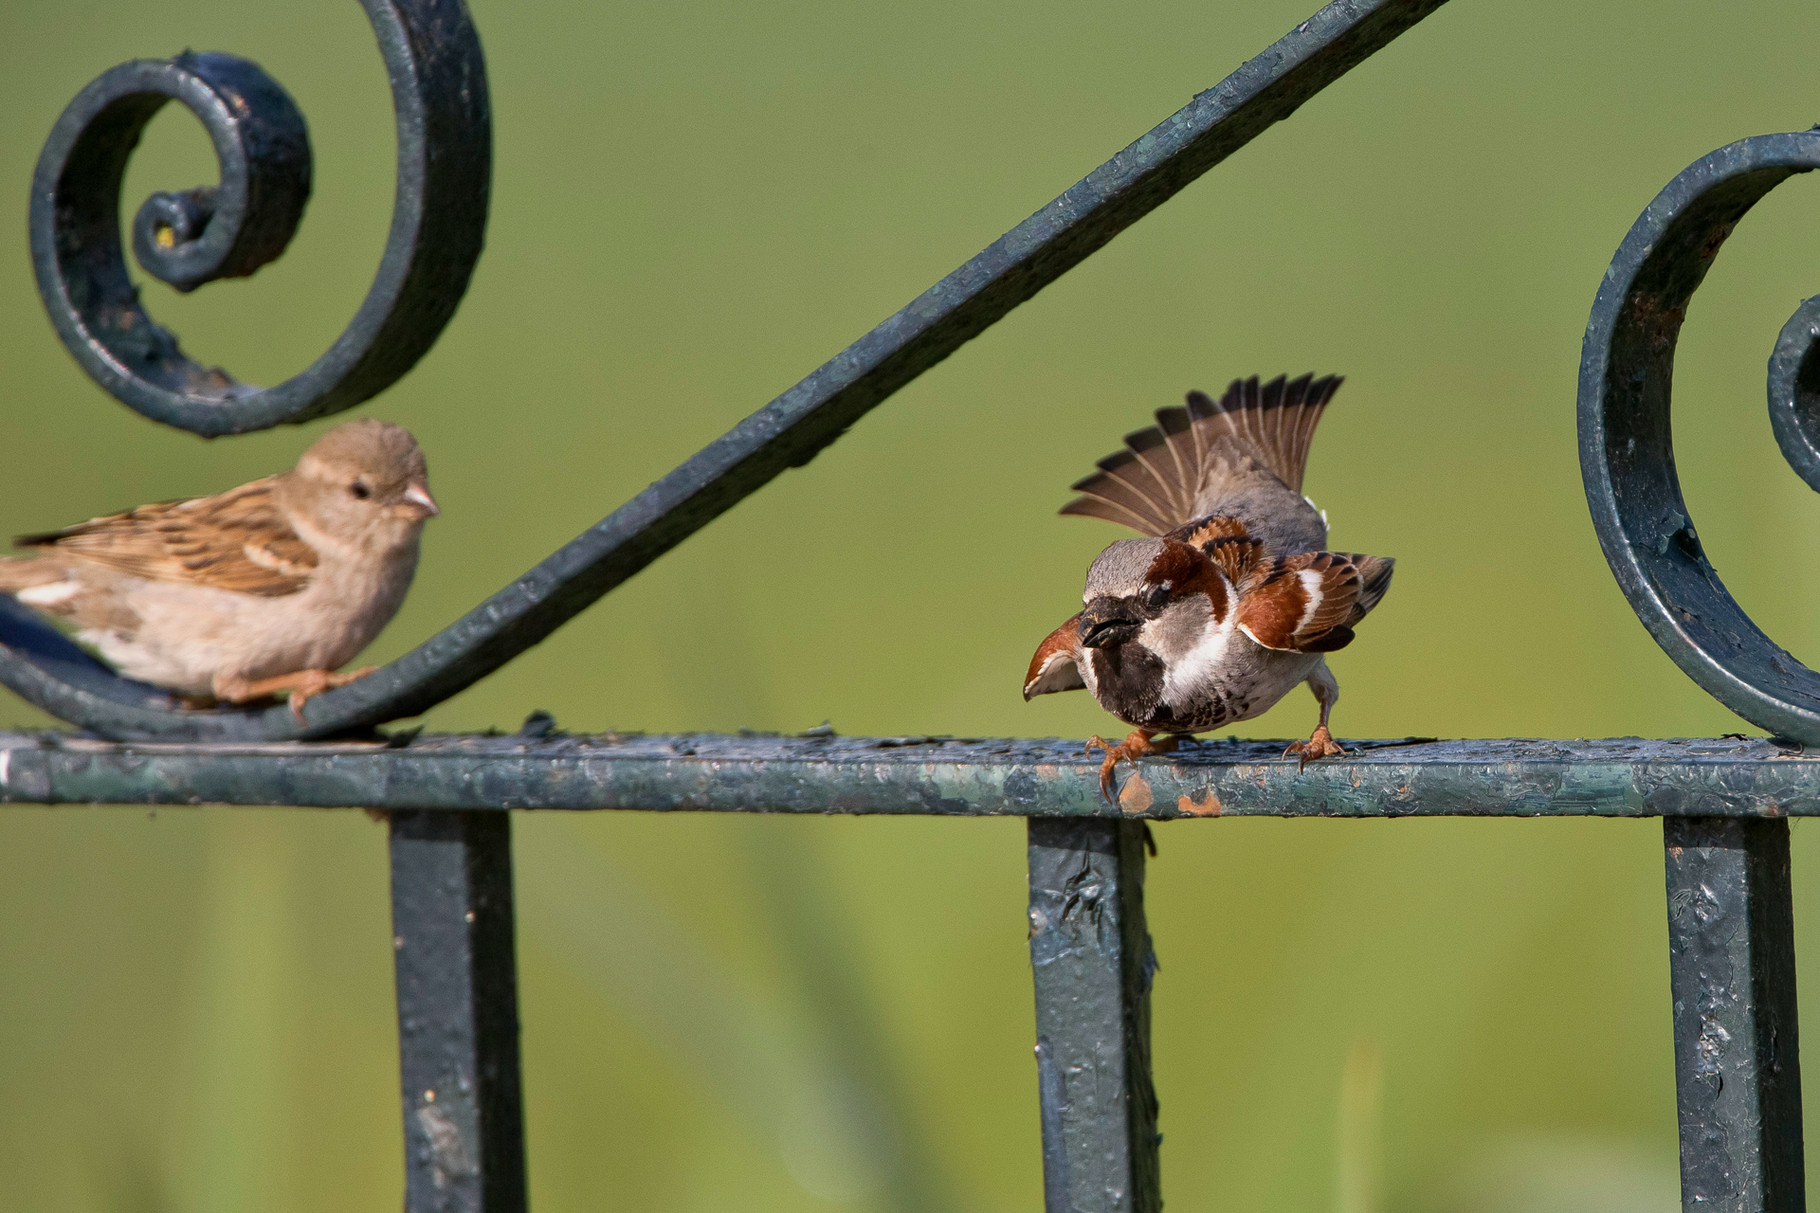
(1169, 636)
(1184, 678)
(48, 595)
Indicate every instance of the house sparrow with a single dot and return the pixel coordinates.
(1230, 601)
(234, 597)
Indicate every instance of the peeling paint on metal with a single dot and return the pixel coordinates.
(1205, 808)
(447, 1149)
(1136, 796)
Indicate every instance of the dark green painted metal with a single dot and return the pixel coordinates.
(827, 774)
(786, 433)
(452, 938)
(1627, 457)
(1093, 962)
(1731, 933)
(444, 122)
(1724, 801)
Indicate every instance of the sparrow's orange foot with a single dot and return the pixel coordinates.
(311, 683)
(305, 685)
(1320, 744)
(1137, 745)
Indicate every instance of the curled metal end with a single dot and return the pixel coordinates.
(229, 229)
(1794, 392)
(186, 239)
(263, 146)
(1626, 452)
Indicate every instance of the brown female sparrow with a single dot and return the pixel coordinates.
(234, 597)
(1231, 601)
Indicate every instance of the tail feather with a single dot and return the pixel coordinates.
(1274, 421)
(1375, 572)
(1153, 485)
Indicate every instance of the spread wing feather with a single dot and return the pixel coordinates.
(238, 540)
(1153, 485)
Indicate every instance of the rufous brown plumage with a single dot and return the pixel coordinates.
(1231, 599)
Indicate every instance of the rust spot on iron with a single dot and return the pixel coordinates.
(1135, 796)
(1203, 808)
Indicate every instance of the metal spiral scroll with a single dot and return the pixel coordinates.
(439, 93)
(1627, 454)
(444, 165)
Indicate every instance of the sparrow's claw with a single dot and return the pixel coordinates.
(1137, 745)
(1096, 742)
(304, 685)
(311, 683)
(1320, 744)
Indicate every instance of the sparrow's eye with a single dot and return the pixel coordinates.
(1158, 595)
(360, 490)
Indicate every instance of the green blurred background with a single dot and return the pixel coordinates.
(696, 203)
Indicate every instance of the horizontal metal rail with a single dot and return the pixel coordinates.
(1622, 777)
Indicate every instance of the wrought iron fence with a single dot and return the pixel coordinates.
(1724, 803)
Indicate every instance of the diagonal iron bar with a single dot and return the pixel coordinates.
(790, 430)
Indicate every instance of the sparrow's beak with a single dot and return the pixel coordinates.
(1109, 622)
(420, 500)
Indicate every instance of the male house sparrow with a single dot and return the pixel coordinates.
(269, 586)
(1231, 600)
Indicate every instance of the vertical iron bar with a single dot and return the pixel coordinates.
(457, 1012)
(1731, 936)
(1091, 953)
